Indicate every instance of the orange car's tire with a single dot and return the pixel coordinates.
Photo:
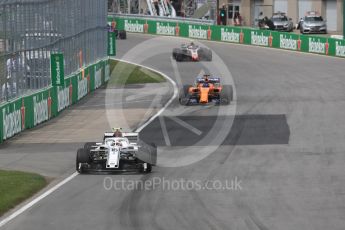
(184, 95)
(226, 95)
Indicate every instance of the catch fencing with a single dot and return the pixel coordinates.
(32, 30)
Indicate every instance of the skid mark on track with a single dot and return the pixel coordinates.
(131, 214)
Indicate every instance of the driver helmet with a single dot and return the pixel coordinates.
(205, 85)
(117, 132)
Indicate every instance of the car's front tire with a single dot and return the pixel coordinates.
(88, 146)
(82, 158)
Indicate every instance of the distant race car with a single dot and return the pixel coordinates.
(120, 34)
(192, 52)
(119, 151)
(206, 90)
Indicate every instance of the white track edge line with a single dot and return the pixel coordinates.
(36, 200)
(51, 190)
(166, 105)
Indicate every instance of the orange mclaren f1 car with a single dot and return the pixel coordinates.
(206, 90)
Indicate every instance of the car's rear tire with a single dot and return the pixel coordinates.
(122, 34)
(179, 57)
(205, 54)
(184, 95)
(121, 164)
(175, 52)
(147, 170)
(202, 54)
(153, 148)
(82, 158)
(209, 55)
(188, 56)
(226, 95)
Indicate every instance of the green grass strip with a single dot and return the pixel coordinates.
(123, 74)
(17, 186)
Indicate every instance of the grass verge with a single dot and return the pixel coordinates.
(17, 186)
(122, 73)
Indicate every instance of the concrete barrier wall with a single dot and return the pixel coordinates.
(248, 36)
(31, 110)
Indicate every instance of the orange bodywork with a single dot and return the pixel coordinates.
(204, 95)
(203, 92)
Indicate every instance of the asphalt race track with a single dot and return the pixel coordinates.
(281, 143)
(49, 149)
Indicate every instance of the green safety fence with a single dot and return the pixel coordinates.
(248, 36)
(31, 110)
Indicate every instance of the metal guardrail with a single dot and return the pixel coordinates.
(160, 18)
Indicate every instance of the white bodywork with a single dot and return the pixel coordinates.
(194, 53)
(115, 147)
(193, 49)
(113, 160)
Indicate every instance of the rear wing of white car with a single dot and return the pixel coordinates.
(132, 137)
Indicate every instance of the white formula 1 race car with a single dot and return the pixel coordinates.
(119, 151)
